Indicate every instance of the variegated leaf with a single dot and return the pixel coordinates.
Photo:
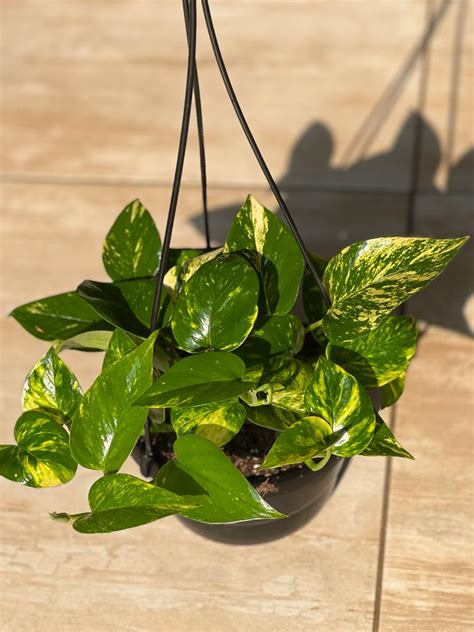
(177, 261)
(292, 396)
(196, 380)
(132, 247)
(272, 250)
(58, 317)
(380, 356)
(369, 279)
(271, 336)
(271, 417)
(218, 422)
(337, 397)
(392, 391)
(217, 307)
(122, 501)
(227, 495)
(384, 443)
(107, 425)
(304, 440)
(313, 301)
(41, 457)
(51, 384)
(87, 341)
(120, 344)
(192, 265)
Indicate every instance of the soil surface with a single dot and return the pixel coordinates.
(247, 452)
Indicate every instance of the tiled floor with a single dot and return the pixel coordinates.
(364, 109)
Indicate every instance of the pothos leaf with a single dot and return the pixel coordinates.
(392, 391)
(272, 250)
(384, 443)
(132, 247)
(271, 417)
(272, 335)
(122, 501)
(106, 425)
(313, 300)
(230, 497)
(380, 356)
(41, 457)
(219, 422)
(58, 317)
(87, 341)
(369, 279)
(120, 344)
(305, 439)
(196, 380)
(337, 397)
(217, 307)
(51, 384)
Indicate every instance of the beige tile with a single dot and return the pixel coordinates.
(160, 576)
(429, 558)
(98, 92)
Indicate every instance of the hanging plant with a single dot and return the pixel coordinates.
(210, 377)
(229, 356)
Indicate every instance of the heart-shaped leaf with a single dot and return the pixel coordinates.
(120, 344)
(41, 457)
(272, 335)
(392, 391)
(337, 397)
(126, 304)
(230, 498)
(369, 279)
(304, 440)
(218, 422)
(380, 356)
(217, 307)
(384, 443)
(58, 317)
(272, 250)
(201, 379)
(177, 261)
(292, 396)
(122, 501)
(106, 425)
(132, 247)
(51, 384)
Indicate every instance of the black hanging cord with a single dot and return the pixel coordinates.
(200, 129)
(256, 150)
(190, 17)
(188, 100)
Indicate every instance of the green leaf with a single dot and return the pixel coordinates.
(120, 344)
(392, 391)
(106, 425)
(191, 266)
(195, 380)
(292, 396)
(122, 501)
(304, 440)
(218, 422)
(217, 307)
(58, 317)
(272, 250)
(271, 417)
(51, 384)
(230, 497)
(337, 397)
(177, 261)
(126, 304)
(384, 443)
(132, 247)
(313, 301)
(369, 279)
(87, 341)
(41, 457)
(380, 356)
(272, 335)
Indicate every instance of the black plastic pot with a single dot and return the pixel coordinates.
(301, 494)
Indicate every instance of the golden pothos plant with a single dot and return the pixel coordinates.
(229, 352)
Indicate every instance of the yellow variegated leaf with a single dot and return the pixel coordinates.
(369, 279)
(219, 422)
